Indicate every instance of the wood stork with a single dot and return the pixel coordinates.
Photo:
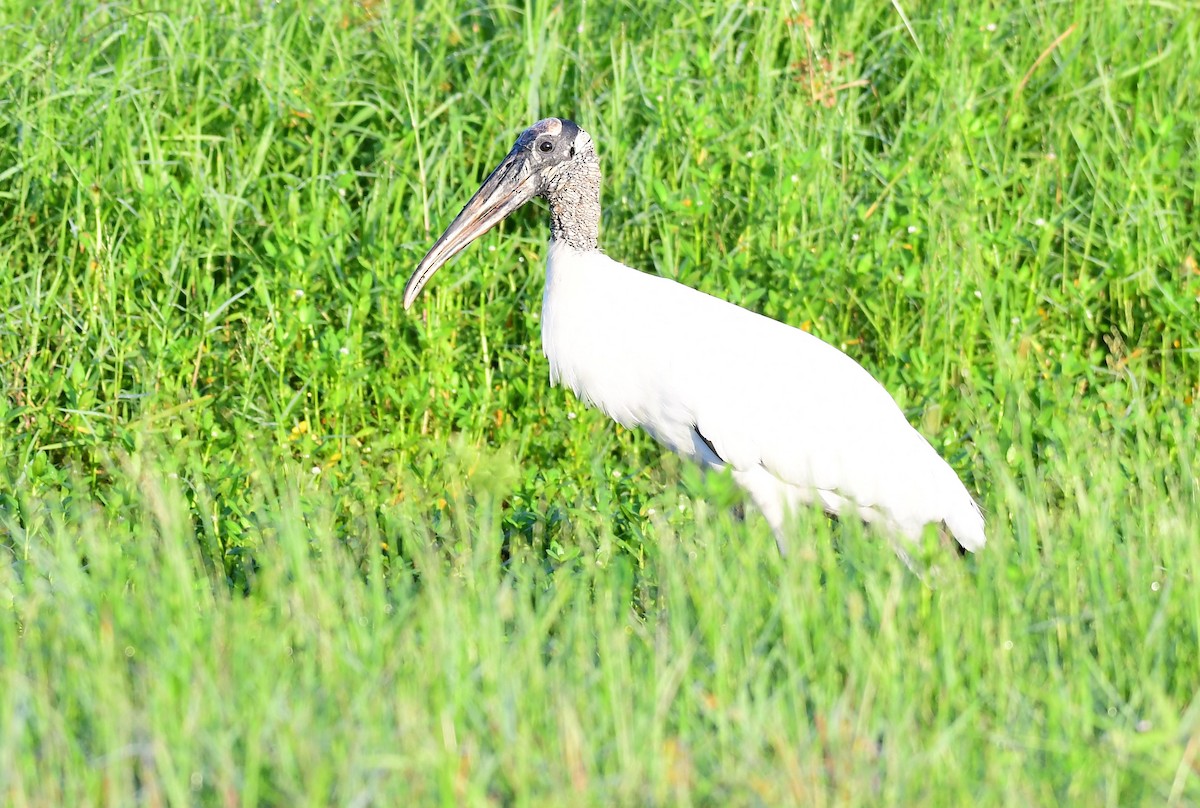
(797, 421)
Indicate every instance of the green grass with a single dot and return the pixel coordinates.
(269, 539)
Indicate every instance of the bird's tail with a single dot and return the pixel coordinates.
(965, 523)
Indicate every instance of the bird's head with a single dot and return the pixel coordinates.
(553, 159)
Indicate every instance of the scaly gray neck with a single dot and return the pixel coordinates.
(574, 196)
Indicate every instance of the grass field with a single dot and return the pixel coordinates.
(267, 539)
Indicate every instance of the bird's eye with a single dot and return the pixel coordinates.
(546, 146)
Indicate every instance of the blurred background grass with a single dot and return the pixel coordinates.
(270, 539)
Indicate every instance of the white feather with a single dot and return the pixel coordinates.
(798, 421)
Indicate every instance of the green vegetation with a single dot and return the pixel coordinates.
(265, 538)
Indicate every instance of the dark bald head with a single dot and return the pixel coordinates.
(552, 141)
(553, 159)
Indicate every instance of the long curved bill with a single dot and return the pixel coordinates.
(507, 188)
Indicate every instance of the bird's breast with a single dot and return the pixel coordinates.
(609, 340)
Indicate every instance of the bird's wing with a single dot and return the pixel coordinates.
(765, 394)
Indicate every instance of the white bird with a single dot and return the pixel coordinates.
(795, 420)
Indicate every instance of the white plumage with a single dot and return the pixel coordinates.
(798, 422)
